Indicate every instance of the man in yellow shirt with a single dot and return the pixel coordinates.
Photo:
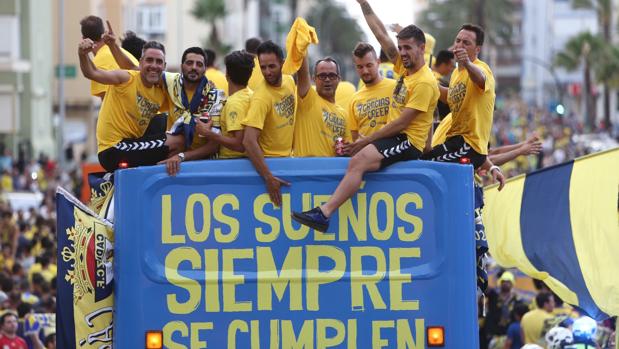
(186, 93)
(369, 107)
(132, 100)
(404, 137)
(214, 74)
(269, 125)
(251, 46)
(538, 321)
(239, 67)
(319, 122)
(471, 99)
(92, 28)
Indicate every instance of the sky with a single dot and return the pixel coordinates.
(389, 11)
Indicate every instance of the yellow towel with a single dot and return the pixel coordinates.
(299, 38)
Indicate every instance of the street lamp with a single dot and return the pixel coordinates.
(550, 69)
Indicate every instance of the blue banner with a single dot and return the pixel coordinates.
(85, 276)
(206, 257)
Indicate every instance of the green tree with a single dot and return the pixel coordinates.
(443, 18)
(337, 31)
(587, 51)
(211, 11)
(604, 12)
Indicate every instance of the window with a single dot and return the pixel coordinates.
(7, 105)
(9, 27)
(151, 20)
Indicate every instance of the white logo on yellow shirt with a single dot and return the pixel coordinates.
(456, 96)
(372, 109)
(146, 110)
(336, 124)
(285, 108)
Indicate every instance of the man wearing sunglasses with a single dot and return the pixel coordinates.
(320, 122)
(406, 134)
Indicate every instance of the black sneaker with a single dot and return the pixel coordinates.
(313, 218)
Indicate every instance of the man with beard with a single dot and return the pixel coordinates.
(406, 134)
(269, 124)
(8, 332)
(187, 93)
(369, 107)
(132, 100)
(320, 122)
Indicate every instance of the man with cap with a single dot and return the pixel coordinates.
(501, 302)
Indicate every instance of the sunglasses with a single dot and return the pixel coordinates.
(325, 76)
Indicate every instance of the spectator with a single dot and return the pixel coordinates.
(535, 323)
(8, 332)
(501, 304)
(514, 338)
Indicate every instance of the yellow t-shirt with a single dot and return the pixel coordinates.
(369, 107)
(256, 78)
(48, 274)
(440, 134)
(533, 325)
(6, 183)
(234, 111)
(272, 110)
(127, 109)
(471, 107)
(317, 126)
(419, 92)
(218, 78)
(343, 94)
(104, 60)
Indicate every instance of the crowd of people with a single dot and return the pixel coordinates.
(28, 258)
(410, 105)
(536, 318)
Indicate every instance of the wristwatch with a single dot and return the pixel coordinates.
(181, 156)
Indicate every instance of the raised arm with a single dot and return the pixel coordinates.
(121, 58)
(90, 71)
(379, 31)
(304, 82)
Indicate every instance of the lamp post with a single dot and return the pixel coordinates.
(61, 101)
(550, 69)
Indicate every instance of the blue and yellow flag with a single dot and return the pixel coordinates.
(561, 225)
(85, 276)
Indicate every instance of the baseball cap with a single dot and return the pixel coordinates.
(507, 276)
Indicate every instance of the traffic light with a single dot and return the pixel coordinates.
(560, 109)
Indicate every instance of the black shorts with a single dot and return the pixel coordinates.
(144, 151)
(453, 150)
(396, 148)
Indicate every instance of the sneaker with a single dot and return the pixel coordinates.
(313, 218)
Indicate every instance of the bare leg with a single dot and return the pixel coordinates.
(368, 159)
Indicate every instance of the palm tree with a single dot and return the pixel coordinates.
(210, 11)
(603, 10)
(584, 49)
(442, 19)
